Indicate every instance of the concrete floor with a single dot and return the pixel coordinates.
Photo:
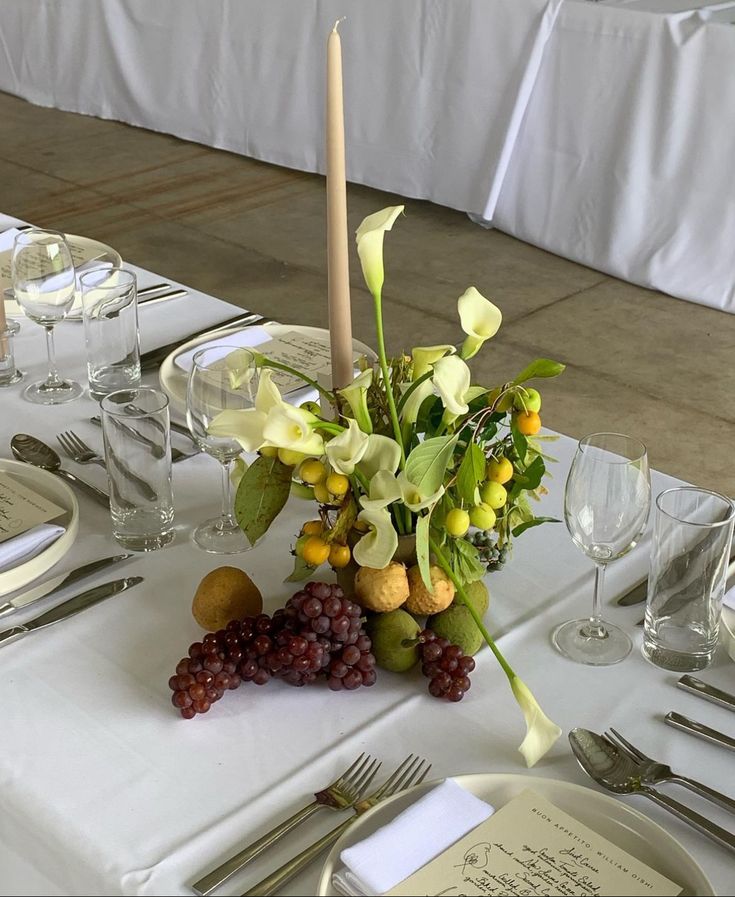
(638, 362)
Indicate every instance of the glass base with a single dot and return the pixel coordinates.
(596, 646)
(11, 379)
(221, 536)
(138, 542)
(677, 661)
(42, 394)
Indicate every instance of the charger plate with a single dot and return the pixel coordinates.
(609, 817)
(105, 255)
(56, 490)
(173, 379)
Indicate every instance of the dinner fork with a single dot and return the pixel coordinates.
(652, 772)
(411, 772)
(78, 450)
(340, 795)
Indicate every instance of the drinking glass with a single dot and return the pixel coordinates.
(135, 427)
(213, 389)
(110, 313)
(606, 505)
(44, 285)
(692, 533)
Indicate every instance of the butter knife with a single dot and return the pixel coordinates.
(70, 608)
(153, 358)
(637, 595)
(56, 583)
(677, 721)
(708, 692)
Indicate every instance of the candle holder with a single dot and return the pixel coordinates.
(9, 373)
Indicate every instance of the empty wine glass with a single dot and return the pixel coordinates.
(606, 505)
(216, 386)
(44, 286)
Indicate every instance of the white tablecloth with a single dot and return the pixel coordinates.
(601, 131)
(105, 790)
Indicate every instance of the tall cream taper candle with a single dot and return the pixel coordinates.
(338, 266)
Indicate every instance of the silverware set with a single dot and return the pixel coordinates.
(345, 793)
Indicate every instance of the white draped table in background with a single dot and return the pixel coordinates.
(603, 132)
(104, 789)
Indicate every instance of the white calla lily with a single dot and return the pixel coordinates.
(247, 425)
(384, 490)
(452, 381)
(268, 395)
(241, 369)
(382, 453)
(347, 449)
(425, 356)
(413, 498)
(370, 245)
(541, 732)
(410, 409)
(377, 547)
(356, 396)
(480, 320)
(291, 428)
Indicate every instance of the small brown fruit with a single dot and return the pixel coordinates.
(420, 600)
(381, 590)
(225, 594)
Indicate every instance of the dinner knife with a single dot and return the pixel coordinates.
(57, 583)
(701, 731)
(153, 358)
(70, 608)
(637, 595)
(708, 692)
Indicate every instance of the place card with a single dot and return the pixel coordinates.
(530, 846)
(21, 508)
(82, 254)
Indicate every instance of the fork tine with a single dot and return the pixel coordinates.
(621, 748)
(360, 787)
(413, 776)
(80, 443)
(391, 779)
(348, 772)
(633, 750)
(358, 774)
(61, 439)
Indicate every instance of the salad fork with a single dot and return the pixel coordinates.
(340, 795)
(411, 772)
(654, 773)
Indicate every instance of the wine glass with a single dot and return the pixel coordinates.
(606, 505)
(44, 285)
(215, 386)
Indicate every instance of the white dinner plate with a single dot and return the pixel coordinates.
(104, 255)
(609, 817)
(56, 490)
(173, 379)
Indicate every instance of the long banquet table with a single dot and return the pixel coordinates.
(105, 790)
(601, 131)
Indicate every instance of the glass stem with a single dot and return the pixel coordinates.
(53, 378)
(595, 628)
(227, 514)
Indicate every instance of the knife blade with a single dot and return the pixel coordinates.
(56, 583)
(70, 608)
(708, 692)
(637, 595)
(153, 358)
(677, 721)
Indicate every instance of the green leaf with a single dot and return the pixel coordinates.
(535, 521)
(467, 564)
(422, 549)
(301, 570)
(262, 493)
(430, 415)
(471, 472)
(533, 474)
(427, 463)
(519, 441)
(541, 367)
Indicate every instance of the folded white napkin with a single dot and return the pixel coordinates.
(22, 548)
(729, 599)
(410, 841)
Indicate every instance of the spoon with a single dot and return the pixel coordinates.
(604, 763)
(33, 451)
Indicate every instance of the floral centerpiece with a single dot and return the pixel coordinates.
(412, 451)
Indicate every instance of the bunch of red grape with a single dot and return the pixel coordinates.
(446, 666)
(318, 633)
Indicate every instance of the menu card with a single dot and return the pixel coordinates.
(21, 508)
(81, 253)
(531, 847)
